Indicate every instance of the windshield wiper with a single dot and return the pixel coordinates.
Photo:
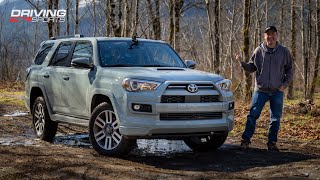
(118, 65)
(154, 65)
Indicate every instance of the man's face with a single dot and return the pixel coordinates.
(270, 37)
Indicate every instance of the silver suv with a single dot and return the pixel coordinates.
(123, 89)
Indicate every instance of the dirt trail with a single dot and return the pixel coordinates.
(71, 156)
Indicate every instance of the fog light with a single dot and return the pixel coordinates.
(136, 107)
(141, 107)
(231, 105)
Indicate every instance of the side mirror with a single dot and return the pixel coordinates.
(190, 64)
(81, 62)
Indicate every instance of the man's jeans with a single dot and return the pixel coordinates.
(258, 101)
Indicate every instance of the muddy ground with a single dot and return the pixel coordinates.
(23, 156)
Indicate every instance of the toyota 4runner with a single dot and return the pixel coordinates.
(124, 89)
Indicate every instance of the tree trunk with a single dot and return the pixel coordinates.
(94, 19)
(211, 58)
(57, 23)
(317, 60)
(76, 30)
(281, 22)
(177, 8)
(246, 45)
(306, 61)
(67, 17)
(231, 41)
(119, 29)
(293, 45)
(171, 18)
(125, 18)
(107, 11)
(50, 30)
(157, 30)
(113, 19)
(266, 13)
(216, 38)
(303, 41)
(136, 18)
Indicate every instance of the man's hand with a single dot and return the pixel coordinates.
(238, 58)
(282, 88)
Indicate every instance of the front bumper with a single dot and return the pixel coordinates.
(149, 124)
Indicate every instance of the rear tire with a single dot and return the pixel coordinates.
(206, 143)
(43, 126)
(104, 133)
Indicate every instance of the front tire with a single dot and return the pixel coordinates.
(43, 126)
(206, 143)
(104, 133)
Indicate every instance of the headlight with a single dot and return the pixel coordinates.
(224, 84)
(139, 85)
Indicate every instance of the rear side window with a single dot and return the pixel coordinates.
(61, 56)
(43, 52)
(82, 50)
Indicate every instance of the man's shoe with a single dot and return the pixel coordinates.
(272, 146)
(245, 144)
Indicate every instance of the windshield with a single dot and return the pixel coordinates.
(143, 54)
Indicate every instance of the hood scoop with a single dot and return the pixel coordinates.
(170, 69)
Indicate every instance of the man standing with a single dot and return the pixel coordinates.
(272, 63)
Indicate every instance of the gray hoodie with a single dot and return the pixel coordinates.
(273, 68)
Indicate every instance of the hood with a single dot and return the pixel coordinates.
(160, 74)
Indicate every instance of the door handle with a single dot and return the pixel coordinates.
(66, 78)
(46, 76)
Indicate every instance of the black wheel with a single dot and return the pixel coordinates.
(104, 133)
(43, 126)
(206, 143)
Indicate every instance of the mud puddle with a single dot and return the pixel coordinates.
(16, 114)
(18, 140)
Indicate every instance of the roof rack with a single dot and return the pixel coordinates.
(69, 36)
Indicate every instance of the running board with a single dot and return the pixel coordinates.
(71, 120)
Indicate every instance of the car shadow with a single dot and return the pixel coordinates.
(226, 159)
(175, 155)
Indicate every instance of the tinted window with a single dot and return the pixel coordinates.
(145, 54)
(82, 49)
(61, 55)
(42, 54)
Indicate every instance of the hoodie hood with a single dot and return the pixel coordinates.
(266, 49)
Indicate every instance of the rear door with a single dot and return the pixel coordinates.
(53, 76)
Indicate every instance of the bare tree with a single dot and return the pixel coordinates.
(211, 57)
(57, 23)
(76, 26)
(177, 13)
(306, 60)
(135, 22)
(171, 19)
(155, 18)
(293, 45)
(67, 17)
(246, 45)
(216, 38)
(50, 29)
(317, 60)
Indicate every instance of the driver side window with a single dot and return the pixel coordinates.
(61, 56)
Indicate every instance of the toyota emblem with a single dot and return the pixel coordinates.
(192, 88)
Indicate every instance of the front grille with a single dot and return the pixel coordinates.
(210, 98)
(191, 116)
(189, 99)
(172, 99)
